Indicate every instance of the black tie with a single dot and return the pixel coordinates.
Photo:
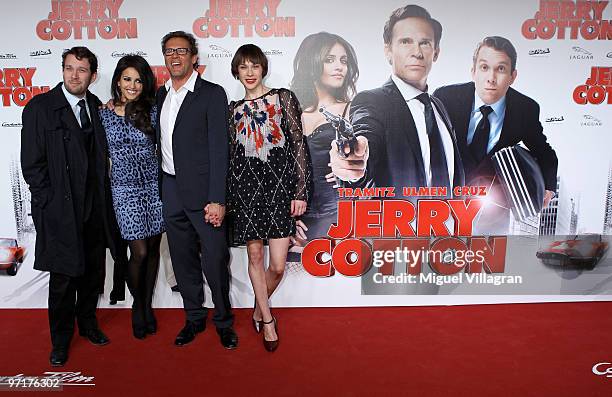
(437, 158)
(88, 141)
(480, 141)
(85, 122)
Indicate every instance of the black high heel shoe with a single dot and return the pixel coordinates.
(139, 328)
(116, 296)
(271, 345)
(151, 328)
(151, 322)
(139, 331)
(114, 299)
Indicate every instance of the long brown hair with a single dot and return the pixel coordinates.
(308, 67)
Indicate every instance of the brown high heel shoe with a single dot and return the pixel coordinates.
(271, 345)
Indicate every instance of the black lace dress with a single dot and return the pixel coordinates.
(269, 166)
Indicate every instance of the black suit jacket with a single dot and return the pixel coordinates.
(200, 144)
(49, 125)
(382, 115)
(521, 124)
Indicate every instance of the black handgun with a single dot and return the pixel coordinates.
(345, 136)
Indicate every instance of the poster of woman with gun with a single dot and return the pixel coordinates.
(325, 73)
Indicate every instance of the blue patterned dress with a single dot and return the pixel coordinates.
(134, 177)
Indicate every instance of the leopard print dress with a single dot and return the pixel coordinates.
(134, 177)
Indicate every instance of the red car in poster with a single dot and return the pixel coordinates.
(585, 250)
(11, 255)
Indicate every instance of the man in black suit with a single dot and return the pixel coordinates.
(192, 134)
(405, 136)
(489, 115)
(64, 161)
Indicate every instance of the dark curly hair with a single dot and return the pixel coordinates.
(137, 112)
(308, 66)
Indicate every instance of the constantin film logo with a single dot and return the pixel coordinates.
(8, 55)
(603, 369)
(271, 53)
(41, 53)
(553, 119)
(17, 87)
(220, 52)
(11, 125)
(121, 54)
(539, 52)
(562, 19)
(244, 18)
(86, 20)
(596, 88)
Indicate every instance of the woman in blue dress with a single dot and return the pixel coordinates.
(130, 132)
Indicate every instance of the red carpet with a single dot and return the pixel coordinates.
(486, 350)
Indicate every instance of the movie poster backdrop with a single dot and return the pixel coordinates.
(564, 64)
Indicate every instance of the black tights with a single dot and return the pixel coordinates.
(142, 274)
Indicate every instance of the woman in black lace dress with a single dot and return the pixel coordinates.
(269, 178)
(325, 72)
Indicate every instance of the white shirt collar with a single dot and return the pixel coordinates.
(408, 92)
(189, 85)
(498, 107)
(73, 100)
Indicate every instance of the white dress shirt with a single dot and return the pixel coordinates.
(496, 120)
(417, 109)
(169, 111)
(73, 100)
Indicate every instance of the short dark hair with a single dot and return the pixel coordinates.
(193, 45)
(411, 11)
(308, 66)
(252, 53)
(80, 53)
(500, 44)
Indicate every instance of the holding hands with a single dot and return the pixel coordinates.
(214, 214)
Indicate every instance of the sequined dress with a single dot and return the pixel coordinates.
(269, 166)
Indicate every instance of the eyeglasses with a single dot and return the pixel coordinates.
(180, 51)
